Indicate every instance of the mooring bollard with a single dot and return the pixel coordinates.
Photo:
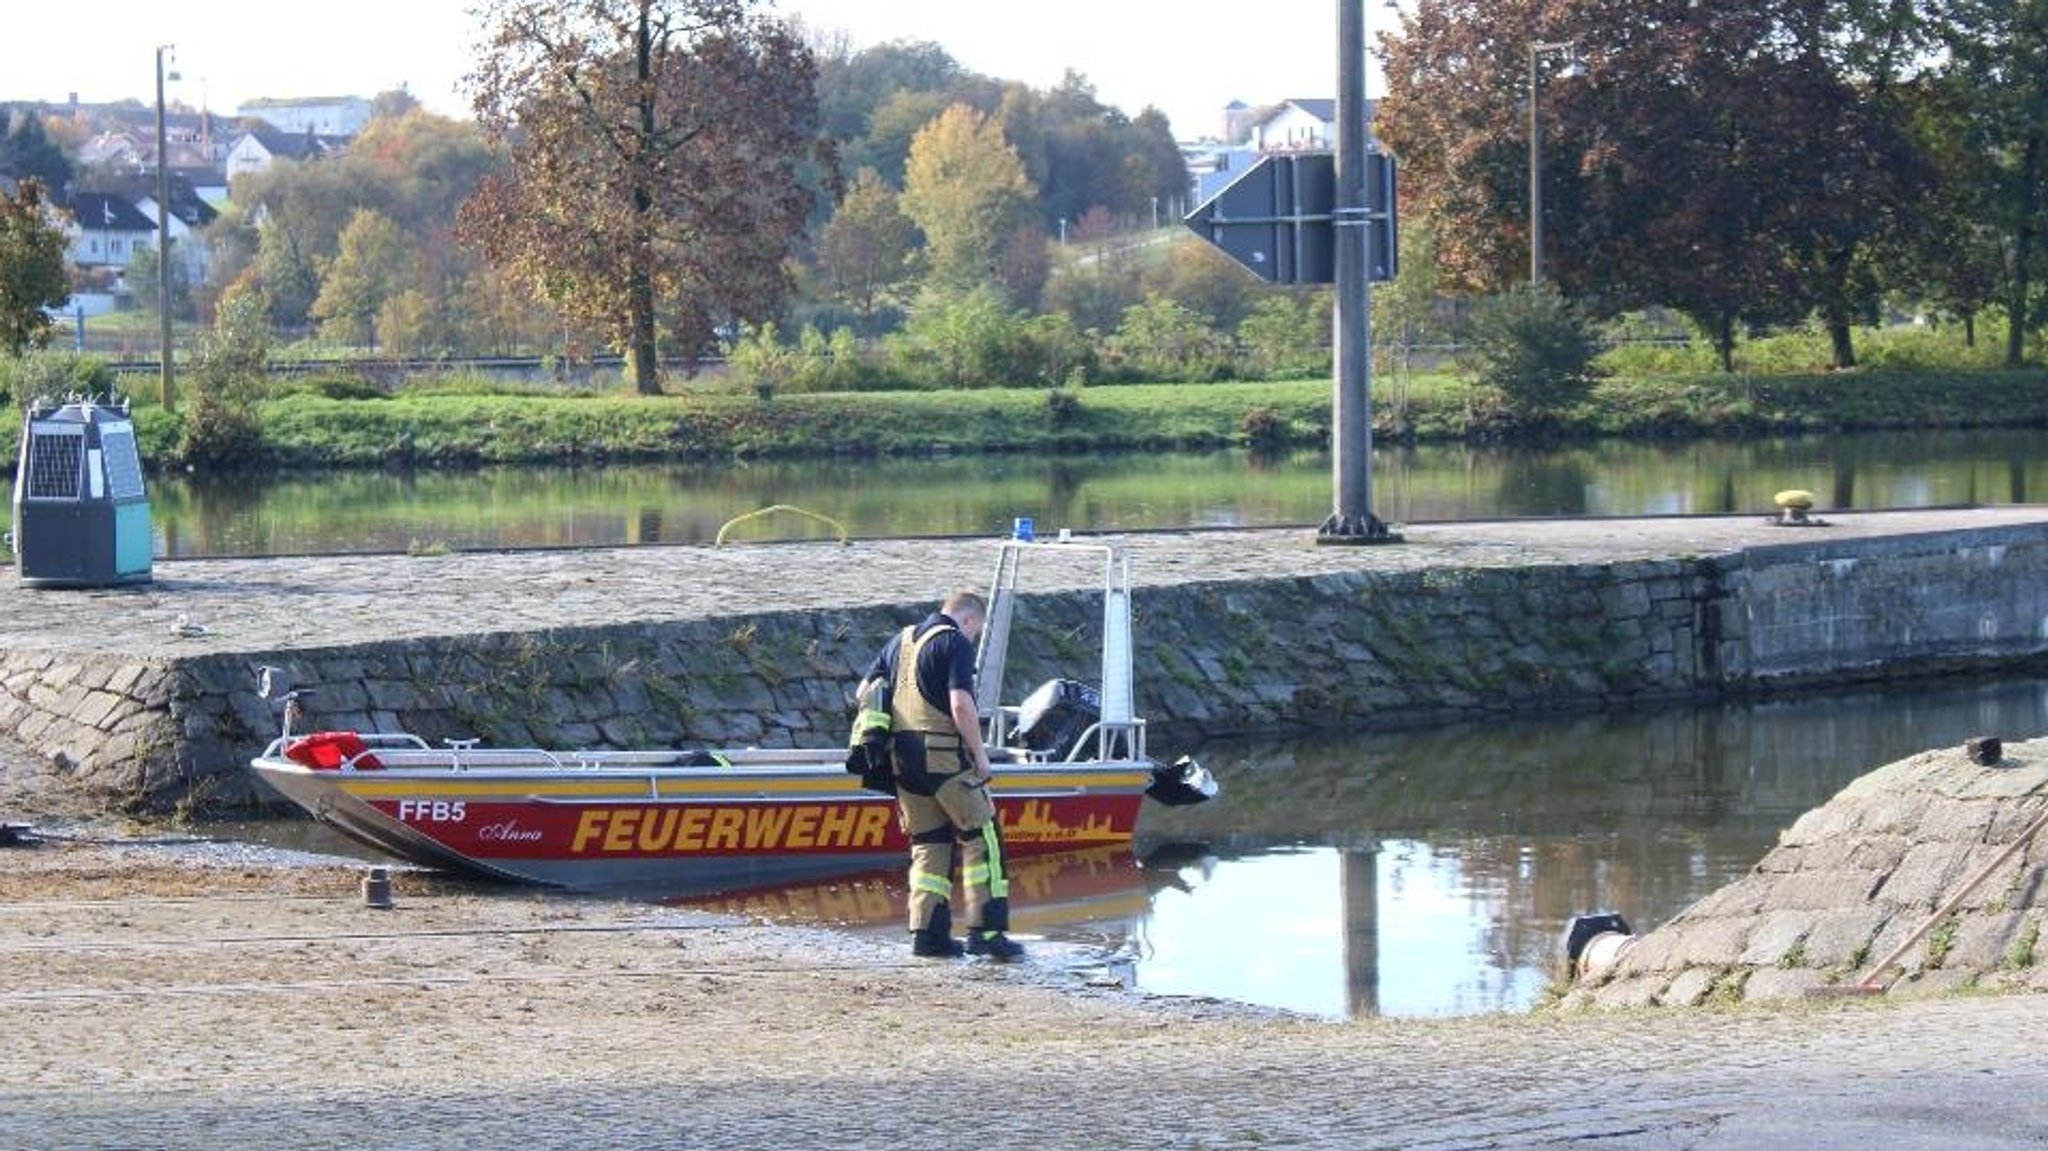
(377, 889)
(1594, 943)
(1985, 750)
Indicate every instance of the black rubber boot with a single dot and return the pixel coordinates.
(994, 945)
(935, 939)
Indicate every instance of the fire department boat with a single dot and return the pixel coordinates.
(1071, 772)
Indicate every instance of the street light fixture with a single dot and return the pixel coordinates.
(1536, 49)
(166, 393)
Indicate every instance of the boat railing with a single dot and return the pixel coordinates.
(408, 751)
(1111, 740)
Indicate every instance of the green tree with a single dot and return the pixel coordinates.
(414, 168)
(656, 148)
(1199, 277)
(875, 100)
(1995, 50)
(1948, 253)
(865, 249)
(27, 152)
(966, 190)
(368, 271)
(1532, 347)
(287, 272)
(393, 104)
(142, 283)
(32, 268)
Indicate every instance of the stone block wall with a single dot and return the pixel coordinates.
(1353, 649)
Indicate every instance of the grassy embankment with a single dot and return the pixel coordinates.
(458, 422)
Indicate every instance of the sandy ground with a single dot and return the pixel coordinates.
(154, 999)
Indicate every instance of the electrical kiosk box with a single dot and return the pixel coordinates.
(81, 518)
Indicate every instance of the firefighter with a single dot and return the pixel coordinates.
(942, 778)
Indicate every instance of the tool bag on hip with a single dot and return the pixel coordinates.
(867, 745)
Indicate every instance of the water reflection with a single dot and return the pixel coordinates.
(552, 507)
(1425, 873)
(1432, 872)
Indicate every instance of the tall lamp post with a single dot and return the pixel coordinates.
(1537, 49)
(166, 390)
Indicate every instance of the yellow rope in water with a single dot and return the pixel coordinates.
(737, 520)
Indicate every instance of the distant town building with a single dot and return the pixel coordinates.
(320, 115)
(257, 148)
(106, 230)
(1295, 125)
(1299, 126)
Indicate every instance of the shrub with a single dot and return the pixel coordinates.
(1263, 429)
(758, 360)
(1163, 340)
(1534, 349)
(222, 431)
(52, 375)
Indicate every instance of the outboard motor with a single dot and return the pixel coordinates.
(1182, 783)
(1055, 716)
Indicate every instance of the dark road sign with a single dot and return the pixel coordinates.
(1279, 219)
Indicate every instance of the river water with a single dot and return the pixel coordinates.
(1342, 874)
(980, 495)
(1429, 872)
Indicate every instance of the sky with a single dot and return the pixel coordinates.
(1185, 58)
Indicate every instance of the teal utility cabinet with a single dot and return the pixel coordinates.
(81, 517)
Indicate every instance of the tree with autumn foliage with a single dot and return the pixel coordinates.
(659, 149)
(966, 190)
(865, 248)
(1728, 160)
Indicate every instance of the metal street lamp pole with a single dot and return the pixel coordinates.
(1536, 166)
(166, 393)
(1351, 520)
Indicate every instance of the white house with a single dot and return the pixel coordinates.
(106, 231)
(257, 148)
(320, 115)
(190, 214)
(1297, 126)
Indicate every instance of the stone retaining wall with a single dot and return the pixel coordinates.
(1353, 648)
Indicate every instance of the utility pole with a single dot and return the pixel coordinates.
(1536, 166)
(1351, 520)
(166, 389)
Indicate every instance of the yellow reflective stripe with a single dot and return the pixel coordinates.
(975, 874)
(940, 885)
(998, 883)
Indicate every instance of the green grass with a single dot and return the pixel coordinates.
(453, 420)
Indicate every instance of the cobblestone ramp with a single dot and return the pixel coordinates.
(1856, 879)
